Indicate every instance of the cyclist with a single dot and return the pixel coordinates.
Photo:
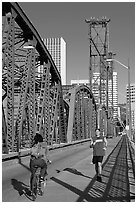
(38, 159)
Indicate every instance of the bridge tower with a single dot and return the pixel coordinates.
(98, 52)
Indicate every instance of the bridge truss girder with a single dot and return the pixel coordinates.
(30, 81)
(82, 113)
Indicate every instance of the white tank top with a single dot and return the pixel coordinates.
(98, 146)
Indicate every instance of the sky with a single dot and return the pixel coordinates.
(67, 20)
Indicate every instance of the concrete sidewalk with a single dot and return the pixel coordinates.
(79, 183)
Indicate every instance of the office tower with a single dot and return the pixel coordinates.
(115, 94)
(96, 88)
(57, 49)
(132, 100)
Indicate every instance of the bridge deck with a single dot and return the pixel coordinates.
(78, 183)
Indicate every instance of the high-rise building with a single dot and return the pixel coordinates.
(57, 49)
(115, 94)
(96, 88)
(132, 100)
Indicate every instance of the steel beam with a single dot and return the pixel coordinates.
(82, 114)
(26, 25)
(9, 53)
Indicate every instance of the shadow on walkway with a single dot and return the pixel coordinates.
(115, 181)
(22, 188)
(75, 171)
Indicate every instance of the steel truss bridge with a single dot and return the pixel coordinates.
(32, 97)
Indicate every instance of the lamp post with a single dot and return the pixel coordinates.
(128, 68)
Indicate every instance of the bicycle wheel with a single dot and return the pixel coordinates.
(34, 188)
(40, 189)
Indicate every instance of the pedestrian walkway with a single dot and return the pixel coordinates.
(78, 184)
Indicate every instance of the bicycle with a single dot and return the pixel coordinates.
(38, 188)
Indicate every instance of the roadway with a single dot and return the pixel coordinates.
(69, 175)
(14, 175)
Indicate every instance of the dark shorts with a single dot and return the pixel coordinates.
(35, 163)
(97, 159)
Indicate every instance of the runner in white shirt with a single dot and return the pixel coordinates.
(99, 144)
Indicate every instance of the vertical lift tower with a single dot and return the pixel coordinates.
(98, 70)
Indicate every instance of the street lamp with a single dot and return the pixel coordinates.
(128, 68)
